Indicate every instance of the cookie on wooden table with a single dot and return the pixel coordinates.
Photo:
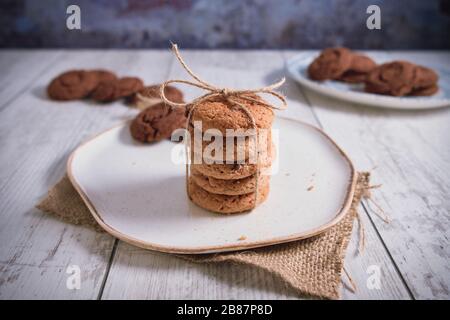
(104, 75)
(225, 203)
(72, 85)
(117, 89)
(157, 122)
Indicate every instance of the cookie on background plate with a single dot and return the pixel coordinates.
(402, 78)
(424, 81)
(330, 64)
(393, 78)
(359, 68)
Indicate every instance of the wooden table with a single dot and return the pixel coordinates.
(410, 150)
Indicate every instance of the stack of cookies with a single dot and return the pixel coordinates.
(223, 180)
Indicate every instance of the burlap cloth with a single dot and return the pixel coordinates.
(311, 267)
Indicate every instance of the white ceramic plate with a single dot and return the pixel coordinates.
(136, 193)
(297, 67)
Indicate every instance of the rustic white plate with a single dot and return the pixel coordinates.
(136, 193)
(297, 67)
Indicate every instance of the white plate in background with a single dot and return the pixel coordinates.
(297, 68)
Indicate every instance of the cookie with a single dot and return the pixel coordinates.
(104, 75)
(116, 89)
(150, 95)
(218, 113)
(243, 148)
(428, 91)
(71, 85)
(330, 64)
(228, 187)
(236, 170)
(424, 78)
(360, 66)
(157, 122)
(393, 78)
(225, 203)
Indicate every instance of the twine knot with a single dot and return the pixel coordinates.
(214, 91)
(225, 92)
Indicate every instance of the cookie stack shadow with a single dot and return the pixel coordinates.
(223, 180)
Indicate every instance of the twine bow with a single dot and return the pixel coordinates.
(229, 95)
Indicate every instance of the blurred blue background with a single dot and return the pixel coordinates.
(302, 24)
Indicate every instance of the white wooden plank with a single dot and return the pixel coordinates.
(142, 274)
(374, 259)
(19, 69)
(412, 155)
(36, 137)
(178, 279)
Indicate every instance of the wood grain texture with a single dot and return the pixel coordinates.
(37, 135)
(239, 70)
(20, 68)
(412, 154)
